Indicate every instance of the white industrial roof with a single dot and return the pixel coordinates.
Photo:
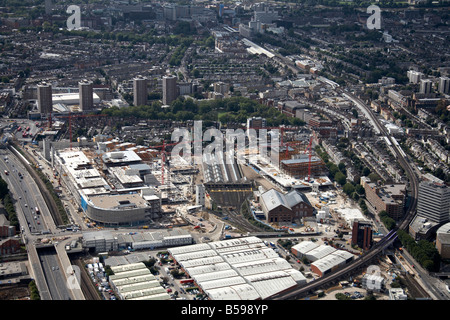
(343, 254)
(195, 255)
(241, 268)
(305, 246)
(126, 281)
(249, 255)
(268, 284)
(134, 281)
(128, 267)
(224, 274)
(138, 286)
(319, 252)
(208, 268)
(262, 266)
(219, 283)
(327, 263)
(296, 275)
(238, 292)
(191, 248)
(201, 262)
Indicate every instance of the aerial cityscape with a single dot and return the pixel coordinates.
(225, 150)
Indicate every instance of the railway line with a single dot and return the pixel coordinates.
(87, 287)
(377, 249)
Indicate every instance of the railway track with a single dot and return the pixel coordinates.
(90, 292)
(383, 243)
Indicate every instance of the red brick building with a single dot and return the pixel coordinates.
(278, 207)
(9, 246)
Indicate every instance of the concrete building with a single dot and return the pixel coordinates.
(154, 239)
(86, 94)
(434, 202)
(256, 122)
(140, 91)
(389, 198)
(200, 195)
(443, 241)
(426, 86)
(44, 98)
(170, 92)
(117, 200)
(444, 85)
(300, 167)
(373, 282)
(414, 76)
(397, 294)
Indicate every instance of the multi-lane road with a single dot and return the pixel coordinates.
(47, 264)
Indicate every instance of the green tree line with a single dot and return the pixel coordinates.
(228, 110)
(423, 251)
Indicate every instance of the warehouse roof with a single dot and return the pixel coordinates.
(134, 281)
(273, 199)
(262, 266)
(241, 268)
(237, 292)
(223, 274)
(319, 252)
(268, 284)
(305, 246)
(332, 260)
(220, 283)
(208, 268)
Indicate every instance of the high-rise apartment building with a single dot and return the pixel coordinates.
(140, 91)
(86, 94)
(44, 97)
(433, 202)
(426, 86)
(170, 92)
(444, 85)
(414, 76)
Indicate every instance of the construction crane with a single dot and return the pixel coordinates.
(309, 161)
(70, 116)
(164, 158)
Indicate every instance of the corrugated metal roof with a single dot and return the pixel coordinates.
(224, 274)
(220, 283)
(319, 252)
(238, 292)
(208, 268)
(305, 246)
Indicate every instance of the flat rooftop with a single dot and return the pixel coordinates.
(118, 201)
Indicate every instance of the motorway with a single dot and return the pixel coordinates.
(51, 281)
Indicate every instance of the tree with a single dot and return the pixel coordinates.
(360, 189)
(365, 172)
(340, 178)
(348, 188)
(3, 188)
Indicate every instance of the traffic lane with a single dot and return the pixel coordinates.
(28, 190)
(54, 274)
